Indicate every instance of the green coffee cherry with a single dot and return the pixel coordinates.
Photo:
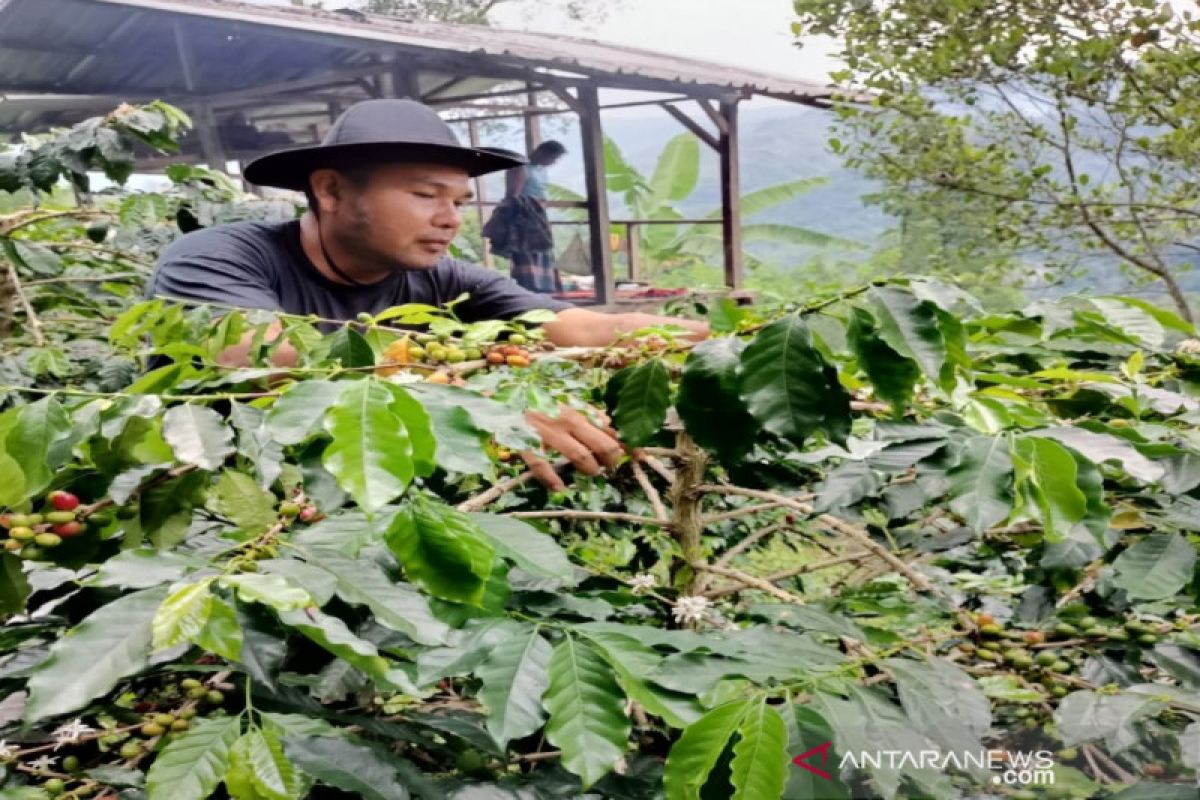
(48, 539)
(1045, 658)
(59, 517)
(130, 749)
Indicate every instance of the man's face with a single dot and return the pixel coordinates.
(404, 217)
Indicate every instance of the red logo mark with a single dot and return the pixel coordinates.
(802, 760)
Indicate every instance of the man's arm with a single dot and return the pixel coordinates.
(238, 355)
(580, 327)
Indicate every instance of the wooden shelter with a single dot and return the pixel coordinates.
(236, 66)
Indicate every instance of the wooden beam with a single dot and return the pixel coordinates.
(731, 195)
(205, 119)
(445, 86)
(84, 64)
(406, 79)
(322, 80)
(480, 196)
(441, 101)
(571, 101)
(713, 114)
(597, 191)
(693, 126)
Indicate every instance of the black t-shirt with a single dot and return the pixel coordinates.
(263, 265)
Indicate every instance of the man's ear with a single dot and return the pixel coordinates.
(327, 188)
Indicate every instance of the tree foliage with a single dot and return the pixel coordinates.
(1058, 127)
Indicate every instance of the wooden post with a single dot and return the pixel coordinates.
(597, 193)
(631, 251)
(480, 196)
(533, 122)
(731, 195)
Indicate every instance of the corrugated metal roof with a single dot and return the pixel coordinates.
(127, 49)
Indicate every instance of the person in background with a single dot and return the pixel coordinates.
(534, 269)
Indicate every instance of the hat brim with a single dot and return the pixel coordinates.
(289, 169)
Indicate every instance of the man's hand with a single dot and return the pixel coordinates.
(589, 448)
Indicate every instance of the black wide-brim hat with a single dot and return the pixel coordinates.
(379, 131)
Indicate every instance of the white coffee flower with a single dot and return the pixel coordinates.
(7, 751)
(690, 609)
(1188, 347)
(640, 584)
(43, 763)
(70, 732)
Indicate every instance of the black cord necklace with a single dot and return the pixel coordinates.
(333, 264)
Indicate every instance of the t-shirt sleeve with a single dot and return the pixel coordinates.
(493, 295)
(215, 265)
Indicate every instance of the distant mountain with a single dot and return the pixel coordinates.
(783, 142)
(778, 144)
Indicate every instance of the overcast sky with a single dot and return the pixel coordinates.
(748, 33)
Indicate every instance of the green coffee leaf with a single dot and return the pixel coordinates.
(237, 497)
(395, 606)
(37, 442)
(192, 765)
(693, 757)
(332, 634)
(760, 757)
(112, 643)
(14, 586)
(868, 722)
(514, 677)
(708, 393)
(298, 413)
(182, 615)
(1046, 476)
(910, 327)
(893, 375)
(271, 590)
(526, 546)
(442, 550)
(981, 482)
(1158, 566)
(198, 436)
(371, 454)
(1085, 716)
(943, 702)
(788, 388)
(642, 395)
(346, 764)
(221, 633)
(587, 714)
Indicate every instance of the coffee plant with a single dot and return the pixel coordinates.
(881, 521)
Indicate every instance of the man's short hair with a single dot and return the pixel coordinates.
(355, 170)
(551, 148)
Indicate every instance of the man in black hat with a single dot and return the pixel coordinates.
(385, 191)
